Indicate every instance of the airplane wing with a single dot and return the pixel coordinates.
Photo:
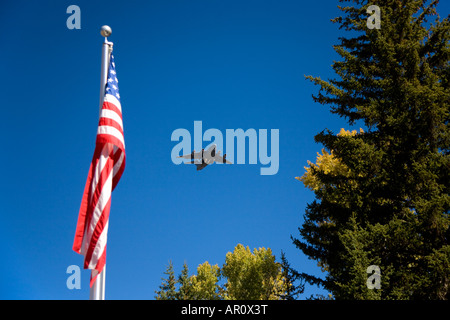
(195, 155)
(218, 158)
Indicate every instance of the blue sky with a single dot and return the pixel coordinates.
(230, 64)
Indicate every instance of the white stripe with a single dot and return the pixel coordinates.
(99, 247)
(109, 114)
(101, 242)
(102, 201)
(98, 169)
(101, 204)
(105, 196)
(111, 131)
(110, 98)
(118, 164)
(103, 159)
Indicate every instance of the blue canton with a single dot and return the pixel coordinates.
(112, 85)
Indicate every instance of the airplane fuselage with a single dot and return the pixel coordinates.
(205, 157)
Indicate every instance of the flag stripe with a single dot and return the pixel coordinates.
(81, 223)
(108, 138)
(99, 197)
(113, 103)
(101, 163)
(108, 105)
(113, 116)
(112, 131)
(98, 240)
(119, 167)
(110, 123)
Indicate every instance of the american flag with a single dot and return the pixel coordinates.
(107, 166)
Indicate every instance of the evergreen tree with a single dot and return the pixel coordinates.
(185, 291)
(384, 199)
(168, 287)
(291, 276)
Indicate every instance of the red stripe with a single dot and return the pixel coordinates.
(99, 267)
(87, 207)
(111, 106)
(84, 216)
(81, 223)
(97, 232)
(118, 174)
(103, 138)
(101, 262)
(110, 122)
(97, 193)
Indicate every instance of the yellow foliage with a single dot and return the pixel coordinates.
(253, 275)
(204, 283)
(326, 163)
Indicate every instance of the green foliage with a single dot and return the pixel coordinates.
(205, 283)
(252, 276)
(247, 276)
(167, 288)
(185, 291)
(382, 196)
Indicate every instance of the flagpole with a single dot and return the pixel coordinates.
(97, 291)
(106, 51)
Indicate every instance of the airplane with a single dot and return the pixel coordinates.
(208, 156)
